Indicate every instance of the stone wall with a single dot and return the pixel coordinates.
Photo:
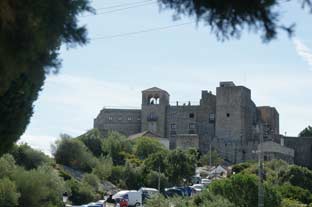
(235, 119)
(270, 118)
(125, 121)
(186, 141)
(154, 114)
(303, 149)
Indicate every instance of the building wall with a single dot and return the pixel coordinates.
(153, 116)
(206, 116)
(125, 121)
(186, 141)
(235, 114)
(270, 118)
(303, 149)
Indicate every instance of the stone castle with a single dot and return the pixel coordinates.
(228, 122)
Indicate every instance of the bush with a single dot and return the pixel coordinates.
(103, 168)
(145, 146)
(242, 190)
(8, 194)
(39, 187)
(215, 159)
(114, 146)
(180, 166)
(7, 165)
(295, 193)
(298, 176)
(93, 140)
(81, 193)
(92, 180)
(73, 153)
(29, 158)
(151, 180)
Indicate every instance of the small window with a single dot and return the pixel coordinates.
(192, 115)
(173, 126)
(211, 117)
(228, 115)
(110, 118)
(119, 118)
(192, 126)
(129, 118)
(139, 119)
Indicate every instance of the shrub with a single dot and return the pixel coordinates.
(8, 194)
(28, 157)
(73, 153)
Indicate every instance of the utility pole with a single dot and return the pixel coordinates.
(210, 153)
(159, 176)
(259, 151)
(260, 171)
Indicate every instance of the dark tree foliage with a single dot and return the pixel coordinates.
(31, 33)
(307, 132)
(228, 19)
(93, 140)
(29, 158)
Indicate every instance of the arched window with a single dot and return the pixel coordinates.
(152, 100)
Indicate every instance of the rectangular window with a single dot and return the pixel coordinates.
(173, 126)
(192, 126)
(119, 118)
(110, 118)
(129, 118)
(211, 117)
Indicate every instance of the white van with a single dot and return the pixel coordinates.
(134, 197)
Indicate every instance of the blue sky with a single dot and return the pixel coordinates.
(184, 60)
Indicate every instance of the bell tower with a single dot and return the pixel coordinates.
(155, 102)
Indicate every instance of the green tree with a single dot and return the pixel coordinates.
(7, 165)
(93, 140)
(81, 193)
(39, 187)
(73, 153)
(157, 161)
(295, 193)
(307, 132)
(114, 146)
(180, 166)
(8, 193)
(28, 157)
(151, 180)
(242, 190)
(298, 176)
(228, 19)
(215, 159)
(144, 146)
(32, 32)
(291, 203)
(92, 180)
(207, 198)
(103, 168)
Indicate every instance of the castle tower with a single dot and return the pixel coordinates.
(234, 119)
(154, 108)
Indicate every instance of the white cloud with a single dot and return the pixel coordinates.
(303, 51)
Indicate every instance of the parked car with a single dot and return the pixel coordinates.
(197, 187)
(205, 182)
(121, 202)
(133, 197)
(171, 192)
(148, 192)
(196, 179)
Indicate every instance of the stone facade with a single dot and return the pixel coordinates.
(229, 122)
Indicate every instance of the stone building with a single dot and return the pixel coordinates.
(229, 122)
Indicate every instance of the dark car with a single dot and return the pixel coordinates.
(172, 192)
